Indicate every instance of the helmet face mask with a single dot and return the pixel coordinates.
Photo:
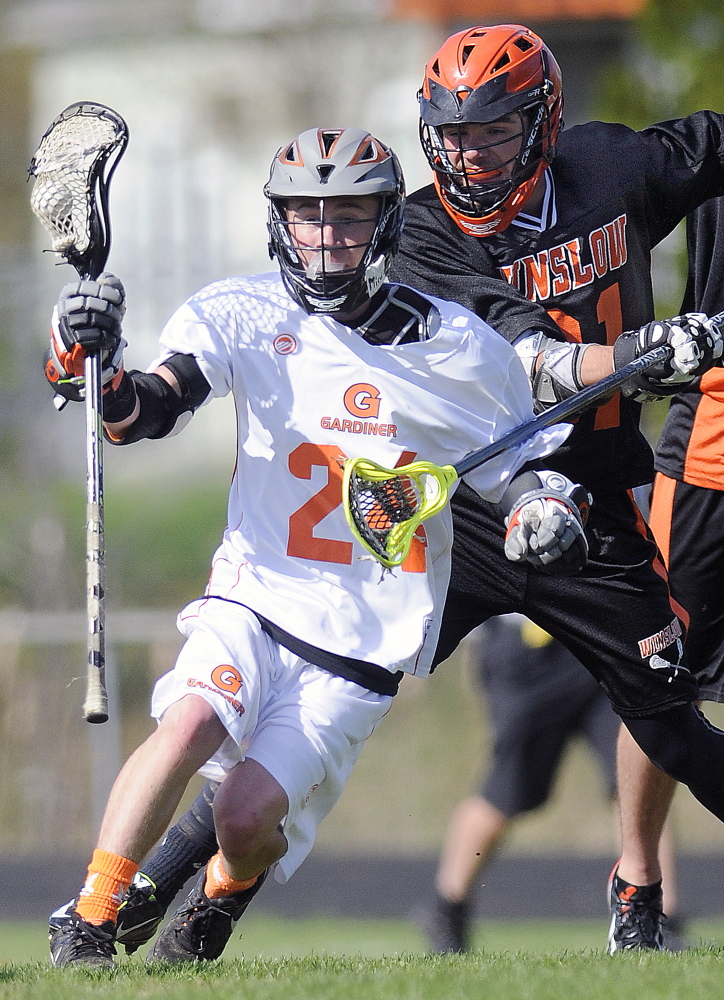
(329, 249)
(473, 189)
(477, 175)
(482, 78)
(336, 199)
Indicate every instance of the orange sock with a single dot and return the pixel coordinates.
(219, 883)
(109, 875)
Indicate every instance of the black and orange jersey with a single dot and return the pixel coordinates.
(691, 446)
(616, 194)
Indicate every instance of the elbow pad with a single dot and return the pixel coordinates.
(558, 376)
(161, 407)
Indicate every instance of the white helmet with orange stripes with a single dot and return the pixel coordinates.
(336, 200)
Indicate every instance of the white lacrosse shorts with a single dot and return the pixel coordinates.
(303, 724)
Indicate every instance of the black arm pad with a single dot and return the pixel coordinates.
(160, 404)
(522, 482)
(530, 481)
(119, 403)
(194, 387)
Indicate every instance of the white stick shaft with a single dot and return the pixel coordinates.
(95, 708)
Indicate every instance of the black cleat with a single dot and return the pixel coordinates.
(73, 941)
(637, 917)
(140, 914)
(200, 928)
(447, 925)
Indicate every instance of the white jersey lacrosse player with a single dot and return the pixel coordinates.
(297, 647)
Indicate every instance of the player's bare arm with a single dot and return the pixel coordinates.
(558, 370)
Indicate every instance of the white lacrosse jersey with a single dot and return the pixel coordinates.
(310, 392)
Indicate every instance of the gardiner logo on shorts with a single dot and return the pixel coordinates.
(658, 642)
(192, 682)
(227, 678)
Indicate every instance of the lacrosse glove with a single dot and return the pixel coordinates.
(696, 342)
(87, 319)
(546, 517)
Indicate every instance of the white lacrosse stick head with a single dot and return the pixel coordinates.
(72, 167)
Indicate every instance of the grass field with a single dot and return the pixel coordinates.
(365, 960)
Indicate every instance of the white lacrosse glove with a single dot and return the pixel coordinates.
(697, 344)
(87, 317)
(545, 524)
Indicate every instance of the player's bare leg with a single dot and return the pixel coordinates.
(248, 810)
(186, 848)
(645, 795)
(192, 842)
(140, 806)
(150, 785)
(475, 830)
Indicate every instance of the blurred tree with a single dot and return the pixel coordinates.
(15, 215)
(15, 238)
(671, 68)
(23, 504)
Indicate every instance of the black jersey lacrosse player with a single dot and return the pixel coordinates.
(687, 503)
(569, 219)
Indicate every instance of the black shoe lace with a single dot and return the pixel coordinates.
(204, 928)
(91, 940)
(640, 920)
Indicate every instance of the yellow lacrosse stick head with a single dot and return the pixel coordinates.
(384, 506)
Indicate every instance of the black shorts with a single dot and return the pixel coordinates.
(688, 522)
(537, 696)
(616, 616)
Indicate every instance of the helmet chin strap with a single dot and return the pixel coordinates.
(375, 275)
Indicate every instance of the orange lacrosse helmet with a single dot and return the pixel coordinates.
(481, 75)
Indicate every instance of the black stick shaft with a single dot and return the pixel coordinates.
(563, 410)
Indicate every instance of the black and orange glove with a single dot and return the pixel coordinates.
(87, 319)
